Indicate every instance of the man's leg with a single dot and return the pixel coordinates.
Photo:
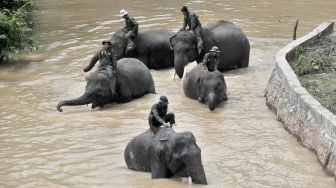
(153, 124)
(130, 41)
(170, 118)
(197, 32)
(150, 123)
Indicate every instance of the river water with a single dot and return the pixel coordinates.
(243, 145)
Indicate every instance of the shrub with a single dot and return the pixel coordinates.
(16, 23)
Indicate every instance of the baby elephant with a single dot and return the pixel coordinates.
(206, 86)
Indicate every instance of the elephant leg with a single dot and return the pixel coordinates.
(94, 105)
(145, 60)
(244, 61)
(124, 94)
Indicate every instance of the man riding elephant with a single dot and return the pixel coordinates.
(191, 20)
(210, 60)
(131, 28)
(107, 63)
(158, 115)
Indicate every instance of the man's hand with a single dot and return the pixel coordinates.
(166, 125)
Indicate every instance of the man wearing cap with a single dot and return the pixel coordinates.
(191, 20)
(158, 115)
(108, 63)
(131, 27)
(210, 62)
(210, 59)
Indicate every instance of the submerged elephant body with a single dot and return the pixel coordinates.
(233, 45)
(212, 85)
(167, 154)
(133, 80)
(152, 48)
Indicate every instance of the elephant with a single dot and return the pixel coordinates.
(230, 39)
(152, 48)
(133, 80)
(211, 84)
(166, 154)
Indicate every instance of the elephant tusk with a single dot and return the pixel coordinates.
(174, 75)
(189, 180)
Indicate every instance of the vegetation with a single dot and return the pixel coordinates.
(316, 69)
(16, 23)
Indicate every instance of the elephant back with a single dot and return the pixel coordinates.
(136, 153)
(231, 41)
(134, 75)
(153, 48)
(190, 81)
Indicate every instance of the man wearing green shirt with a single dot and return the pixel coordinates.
(191, 20)
(131, 27)
(158, 115)
(108, 63)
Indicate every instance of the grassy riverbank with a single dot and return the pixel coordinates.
(316, 69)
(16, 25)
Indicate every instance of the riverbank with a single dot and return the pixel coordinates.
(302, 115)
(315, 66)
(16, 27)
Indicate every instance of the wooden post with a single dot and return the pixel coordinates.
(295, 28)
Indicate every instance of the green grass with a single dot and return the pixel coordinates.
(315, 67)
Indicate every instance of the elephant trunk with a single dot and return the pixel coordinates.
(196, 171)
(211, 101)
(179, 63)
(84, 99)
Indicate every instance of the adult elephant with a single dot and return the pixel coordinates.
(165, 155)
(152, 48)
(210, 87)
(133, 80)
(230, 39)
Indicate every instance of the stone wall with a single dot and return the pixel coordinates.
(301, 113)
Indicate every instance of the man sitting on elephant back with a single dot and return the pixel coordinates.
(158, 115)
(108, 63)
(131, 27)
(191, 20)
(210, 63)
(210, 60)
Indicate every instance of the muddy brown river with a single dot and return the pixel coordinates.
(243, 145)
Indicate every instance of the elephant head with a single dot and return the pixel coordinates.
(213, 88)
(119, 43)
(97, 92)
(180, 155)
(184, 44)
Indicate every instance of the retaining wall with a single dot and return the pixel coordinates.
(301, 113)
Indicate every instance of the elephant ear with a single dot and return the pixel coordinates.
(172, 41)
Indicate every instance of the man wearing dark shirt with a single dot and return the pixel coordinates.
(211, 59)
(191, 20)
(158, 115)
(107, 62)
(131, 27)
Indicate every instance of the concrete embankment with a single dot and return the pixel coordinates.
(301, 113)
